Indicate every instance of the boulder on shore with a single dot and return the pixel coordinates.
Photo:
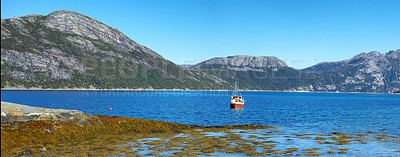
(11, 112)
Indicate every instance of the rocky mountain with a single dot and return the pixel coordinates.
(325, 66)
(241, 63)
(366, 72)
(373, 57)
(253, 72)
(67, 49)
(186, 65)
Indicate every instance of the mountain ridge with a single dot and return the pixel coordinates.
(365, 72)
(324, 66)
(66, 49)
(69, 49)
(241, 63)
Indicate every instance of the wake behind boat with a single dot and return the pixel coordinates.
(237, 101)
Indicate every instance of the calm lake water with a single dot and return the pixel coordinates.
(292, 112)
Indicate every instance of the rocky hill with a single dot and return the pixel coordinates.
(241, 63)
(67, 49)
(366, 72)
(370, 60)
(255, 72)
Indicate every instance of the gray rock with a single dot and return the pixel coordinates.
(82, 25)
(68, 46)
(39, 58)
(371, 71)
(241, 63)
(15, 112)
(64, 44)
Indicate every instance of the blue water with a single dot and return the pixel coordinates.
(294, 112)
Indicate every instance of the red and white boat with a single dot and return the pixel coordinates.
(237, 101)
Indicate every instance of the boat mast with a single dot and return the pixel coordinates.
(235, 88)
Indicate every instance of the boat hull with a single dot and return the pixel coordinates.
(237, 105)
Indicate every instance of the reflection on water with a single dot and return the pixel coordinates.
(237, 112)
(237, 109)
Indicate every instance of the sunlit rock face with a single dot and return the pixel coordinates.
(15, 112)
(241, 63)
(69, 49)
(373, 71)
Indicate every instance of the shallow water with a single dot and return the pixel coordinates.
(266, 142)
(295, 112)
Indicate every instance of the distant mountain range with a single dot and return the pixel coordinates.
(66, 49)
(371, 72)
(366, 72)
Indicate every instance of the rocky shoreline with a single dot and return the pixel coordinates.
(11, 112)
(27, 130)
(35, 131)
(155, 90)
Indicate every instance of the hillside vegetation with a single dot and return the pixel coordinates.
(66, 49)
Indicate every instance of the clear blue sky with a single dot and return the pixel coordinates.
(300, 32)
